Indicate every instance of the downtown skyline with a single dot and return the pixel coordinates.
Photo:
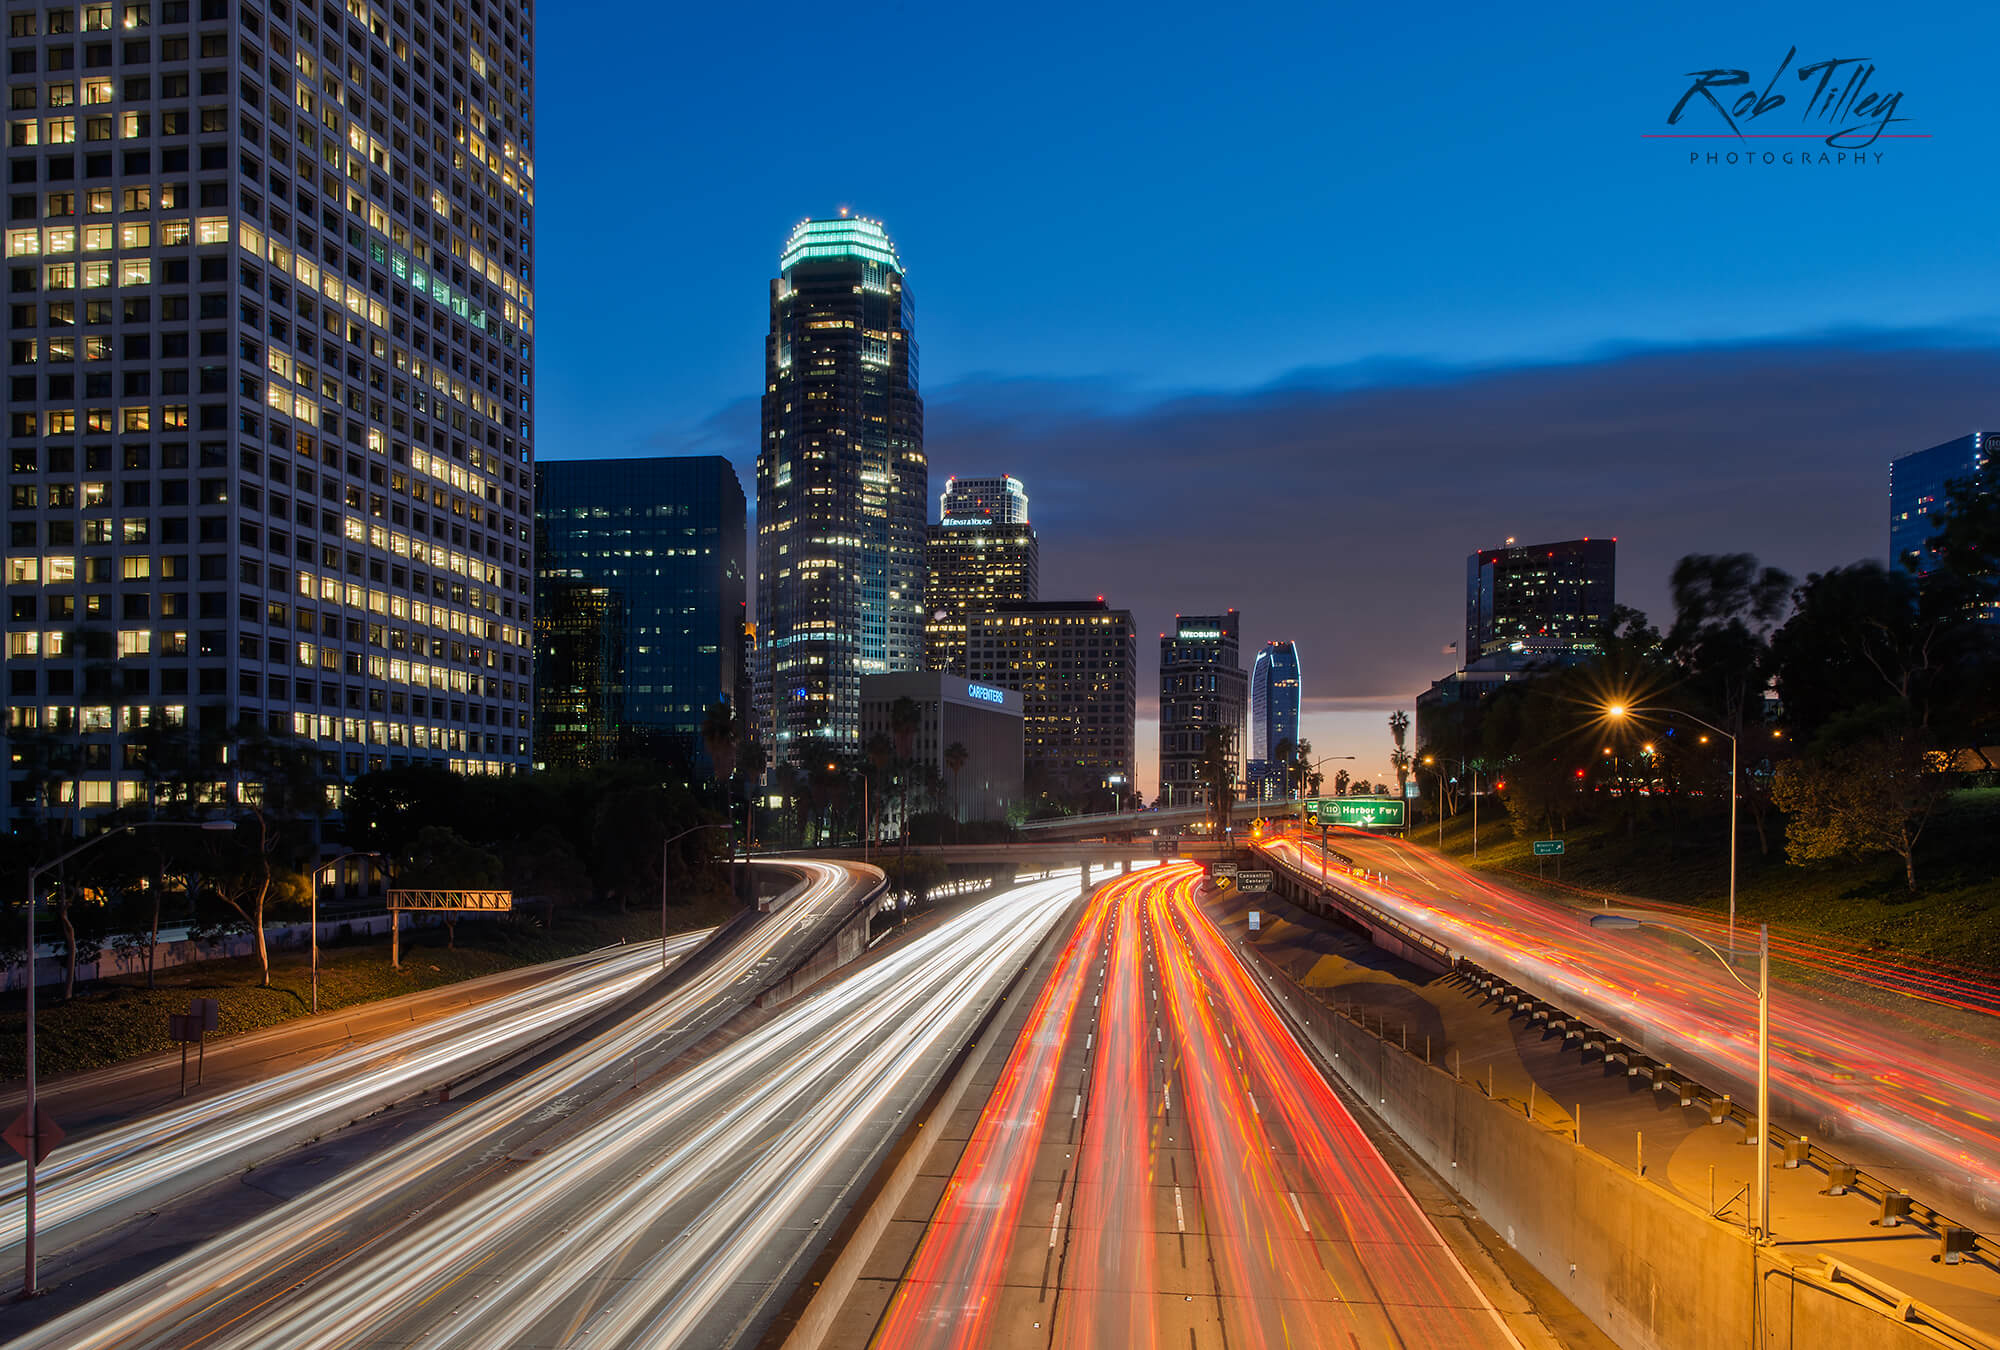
(1631, 352)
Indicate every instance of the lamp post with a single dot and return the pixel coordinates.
(835, 768)
(1432, 761)
(664, 846)
(1763, 996)
(1618, 711)
(335, 862)
(34, 1131)
(1323, 845)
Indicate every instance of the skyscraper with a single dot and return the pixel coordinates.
(1202, 690)
(579, 672)
(667, 538)
(841, 485)
(982, 554)
(983, 501)
(1074, 664)
(1540, 600)
(271, 333)
(1275, 697)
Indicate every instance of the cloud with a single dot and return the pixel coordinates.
(1337, 507)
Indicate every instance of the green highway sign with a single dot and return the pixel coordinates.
(1365, 813)
(1548, 848)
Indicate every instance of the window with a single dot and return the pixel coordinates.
(96, 91)
(62, 131)
(24, 132)
(135, 271)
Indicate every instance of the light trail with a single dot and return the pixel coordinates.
(948, 1297)
(149, 1157)
(158, 1307)
(1842, 1063)
(1312, 1238)
(1111, 1245)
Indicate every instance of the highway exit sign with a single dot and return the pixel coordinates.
(1548, 848)
(1364, 813)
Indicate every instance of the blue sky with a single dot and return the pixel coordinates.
(1112, 213)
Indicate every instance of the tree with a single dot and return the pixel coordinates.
(628, 841)
(283, 784)
(1873, 795)
(1399, 759)
(440, 859)
(720, 731)
(547, 868)
(1217, 773)
(1341, 782)
(905, 719)
(1862, 634)
(1966, 538)
(955, 757)
(1726, 607)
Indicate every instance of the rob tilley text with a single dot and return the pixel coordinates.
(1840, 103)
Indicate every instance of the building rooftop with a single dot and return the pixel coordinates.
(841, 237)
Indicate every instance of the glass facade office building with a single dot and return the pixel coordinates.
(1202, 689)
(1074, 663)
(1275, 700)
(270, 424)
(841, 487)
(1549, 600)
(1918, 484)
(981, 555)
(983, 501)
(666, 537)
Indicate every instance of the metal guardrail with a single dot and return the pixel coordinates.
(1365, 909)
(1956, 1241)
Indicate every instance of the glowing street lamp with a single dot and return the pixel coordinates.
(1763, 995)
(1619, 711)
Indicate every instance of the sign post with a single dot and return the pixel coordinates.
(1549, 848)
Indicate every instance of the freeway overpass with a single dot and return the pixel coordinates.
(1109, 823)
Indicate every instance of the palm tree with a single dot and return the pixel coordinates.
(720, 731)
(955, 756)
(881, 752)
(1340, 783)
(1399, 728)
(905, 720)
(1217, 772)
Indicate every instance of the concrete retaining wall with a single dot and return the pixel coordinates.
(1652, 1271)
(842, 946)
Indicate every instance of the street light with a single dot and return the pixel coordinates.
(664, 845)
(1763, 995)
(1432, 760)
(1618, 712)
(394, 917)
(34, 1129)
(1323, 843)
(835, 768)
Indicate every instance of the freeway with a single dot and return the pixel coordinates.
(145, 1162)
(672, 1207)
(1890, 1065)
(1162, 1165)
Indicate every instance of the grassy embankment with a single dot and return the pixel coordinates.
(1953, 918)
(118, 1019)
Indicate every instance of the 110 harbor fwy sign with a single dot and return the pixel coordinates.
(1832, 112)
